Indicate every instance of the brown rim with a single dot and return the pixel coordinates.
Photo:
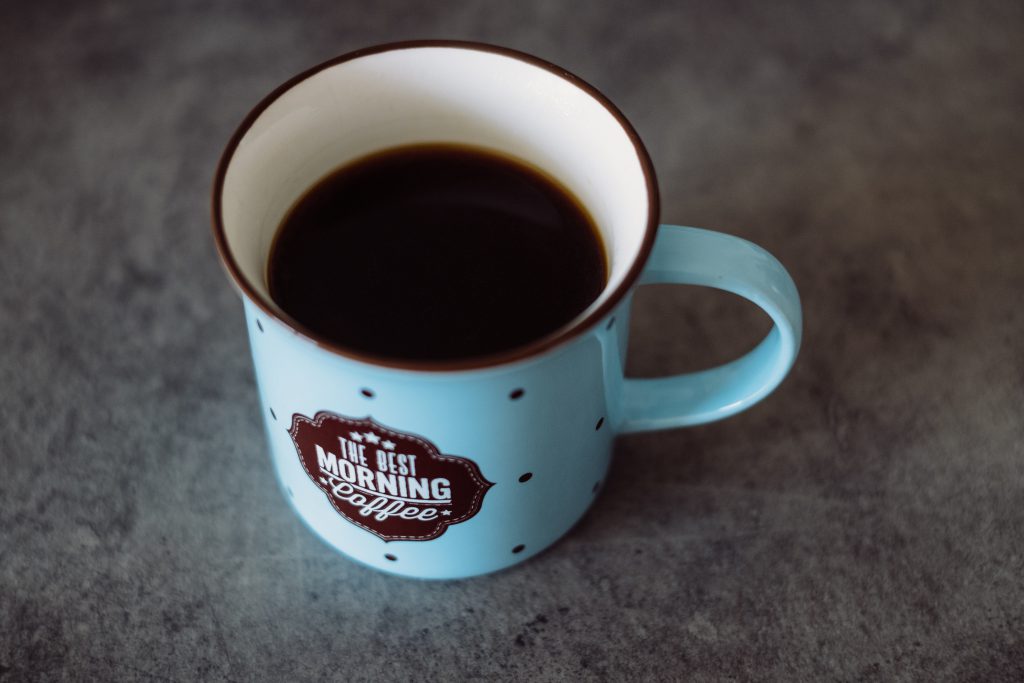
(536, 347)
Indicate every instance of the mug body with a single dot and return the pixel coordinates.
(535, 437)
(438, 469)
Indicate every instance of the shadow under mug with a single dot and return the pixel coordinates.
(453, 469)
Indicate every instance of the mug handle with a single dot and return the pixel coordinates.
(691, 256)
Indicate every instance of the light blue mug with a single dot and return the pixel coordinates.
(453, 469)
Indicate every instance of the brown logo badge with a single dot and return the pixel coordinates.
(395, 485)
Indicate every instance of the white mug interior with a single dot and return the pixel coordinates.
(423, 93)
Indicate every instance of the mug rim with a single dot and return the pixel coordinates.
(536, 347)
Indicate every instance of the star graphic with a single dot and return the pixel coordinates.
(388, 445)
(446, 513)
(371, 438)
(355, 436)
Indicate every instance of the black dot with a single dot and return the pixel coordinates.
(391, 557)
(611, 323)
(596, 487)
(526, 477)
(259, 324)
(273, 414)
(289, 490)
(367, 393)
(518, 548)
(516, 394)
(599, 423)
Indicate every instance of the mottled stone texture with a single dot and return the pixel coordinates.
(864, 523)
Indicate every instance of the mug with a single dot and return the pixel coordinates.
(457, 468)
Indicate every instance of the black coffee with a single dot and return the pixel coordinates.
(436, 252)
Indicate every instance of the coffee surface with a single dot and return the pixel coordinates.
(436, 252)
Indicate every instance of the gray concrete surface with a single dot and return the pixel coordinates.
(864, 523)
